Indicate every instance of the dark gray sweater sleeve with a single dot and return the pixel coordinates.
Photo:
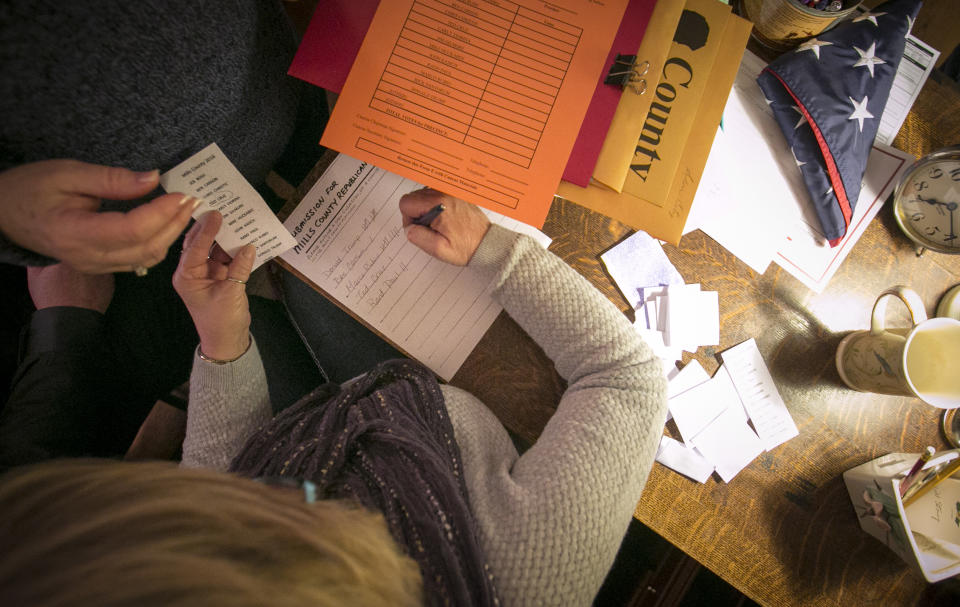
(16, 255)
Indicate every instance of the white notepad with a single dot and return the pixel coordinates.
(351, 244)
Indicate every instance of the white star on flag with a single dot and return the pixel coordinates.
(813, 45)
(869, 17)
(842, 103)
(868, 59)
(859, 111)
(795, 159)
(802, 120)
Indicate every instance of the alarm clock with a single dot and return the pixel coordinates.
(926, 202)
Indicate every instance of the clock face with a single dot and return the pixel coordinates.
(927, 201)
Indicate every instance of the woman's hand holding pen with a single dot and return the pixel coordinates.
(213, 287)
(453, 235)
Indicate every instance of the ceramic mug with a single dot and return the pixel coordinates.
(921, 361)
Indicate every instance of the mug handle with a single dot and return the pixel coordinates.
(908, 296)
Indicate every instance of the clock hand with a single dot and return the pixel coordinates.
(953, 236)
(935, 203)
(930, 201)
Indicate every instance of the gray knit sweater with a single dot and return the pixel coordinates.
(551, 520)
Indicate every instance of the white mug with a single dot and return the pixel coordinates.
(921, 361)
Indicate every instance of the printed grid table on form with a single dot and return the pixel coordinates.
(485, 74)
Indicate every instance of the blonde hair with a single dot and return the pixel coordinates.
(120, 533)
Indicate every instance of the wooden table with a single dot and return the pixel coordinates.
(783, 531)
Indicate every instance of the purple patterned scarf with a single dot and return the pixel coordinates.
(386, 442)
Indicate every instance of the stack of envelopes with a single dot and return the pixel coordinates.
(648, 169)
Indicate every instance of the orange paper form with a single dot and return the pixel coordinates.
(481, 99)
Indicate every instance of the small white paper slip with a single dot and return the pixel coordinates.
(670, 370)
(686, 460)
(654, 339)
(692, 317)
(638, 261)
(694, 409)
(247, 219)
(649, 307)
(759, 394)
(688, 322)
(918, 62)
(692, 375)
(707, 320)
(728, 443)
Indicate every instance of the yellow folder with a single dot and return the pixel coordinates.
(617, 151)
(665, 218)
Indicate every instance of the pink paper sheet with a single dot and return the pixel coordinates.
(331, 42)
(605, 97)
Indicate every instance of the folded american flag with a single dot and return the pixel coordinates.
(827, 97)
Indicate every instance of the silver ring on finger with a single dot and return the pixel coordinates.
(237, 280)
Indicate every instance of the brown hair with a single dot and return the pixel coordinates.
(118, 533)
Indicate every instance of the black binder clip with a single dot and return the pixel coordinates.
(626, 72)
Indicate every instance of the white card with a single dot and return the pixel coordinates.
(728, 442)
(692, 375)
(762, 401)
(708, 319)
(694, 409)
(638, 261)
(647, 310)
(654, 339)
(686, 460)
(247, 219)
(680, 312)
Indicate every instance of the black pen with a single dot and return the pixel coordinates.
(427, 218)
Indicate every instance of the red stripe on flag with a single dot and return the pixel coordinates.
(835, 181)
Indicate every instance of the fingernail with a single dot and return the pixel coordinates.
(147, 176)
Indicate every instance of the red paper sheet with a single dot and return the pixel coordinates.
(332, 41)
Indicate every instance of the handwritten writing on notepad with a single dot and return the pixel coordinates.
(482, 100)
(350, 244)
(210, 176)
(936, 514)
